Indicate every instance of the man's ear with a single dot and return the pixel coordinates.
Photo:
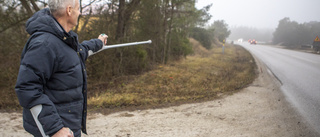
(69, 10)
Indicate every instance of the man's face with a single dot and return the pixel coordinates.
(75, 13)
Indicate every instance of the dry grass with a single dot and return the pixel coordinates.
(203, 76)
(8, 74)
(198, 49)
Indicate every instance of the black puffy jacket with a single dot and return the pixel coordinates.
(53, 73)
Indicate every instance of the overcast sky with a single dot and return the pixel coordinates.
(262, 13)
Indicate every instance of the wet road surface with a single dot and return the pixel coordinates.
(299, 74)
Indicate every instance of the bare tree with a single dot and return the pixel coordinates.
(25, 4)
(34, 5)
(125, 12)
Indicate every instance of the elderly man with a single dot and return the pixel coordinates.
(52, 85)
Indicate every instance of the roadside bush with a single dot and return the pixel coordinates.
(204, 36)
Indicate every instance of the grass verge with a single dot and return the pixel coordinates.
(204, 76)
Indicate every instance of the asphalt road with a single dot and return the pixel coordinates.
(299, 73)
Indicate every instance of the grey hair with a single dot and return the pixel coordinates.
(56, 6)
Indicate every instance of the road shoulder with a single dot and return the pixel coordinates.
(258, 110)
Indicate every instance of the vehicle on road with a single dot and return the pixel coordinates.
(253, 41)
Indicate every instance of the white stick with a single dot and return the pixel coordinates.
(120, 45)
(35, 111)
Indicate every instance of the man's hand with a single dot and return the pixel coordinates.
(103, 38)
(64, 132)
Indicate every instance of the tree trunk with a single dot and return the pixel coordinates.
(169, 33)
(86, 20)
(25, 4)
(124, 15)
(120, 26)
(164, 56)
(34, 5)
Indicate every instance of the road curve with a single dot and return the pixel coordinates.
(299, 74)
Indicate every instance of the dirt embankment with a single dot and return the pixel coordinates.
(257, 111)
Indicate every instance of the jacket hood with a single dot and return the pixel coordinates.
(43, 21)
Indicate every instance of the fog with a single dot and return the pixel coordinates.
(262, 13)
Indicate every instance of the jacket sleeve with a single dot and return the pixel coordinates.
(92, 45)
(36, 67)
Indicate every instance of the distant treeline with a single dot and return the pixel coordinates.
(287, 33)
(168, 23)
(291, 33)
